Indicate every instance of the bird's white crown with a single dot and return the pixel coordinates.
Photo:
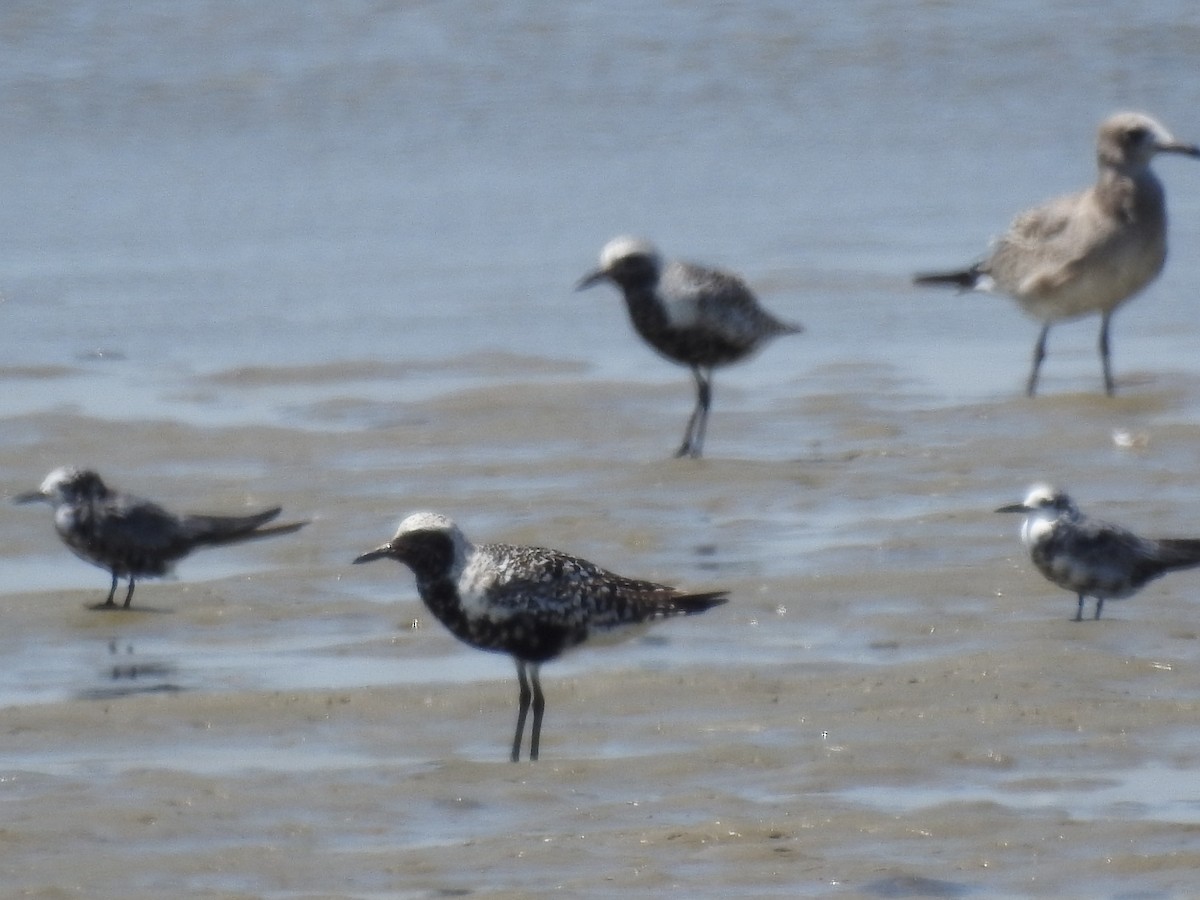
(621, 247)
(426, 521)
(1047, 502)
(1040, 496)
(63, 480)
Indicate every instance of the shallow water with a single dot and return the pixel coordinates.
(324, 257)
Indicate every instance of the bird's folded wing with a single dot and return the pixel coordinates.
(1105, 547)
(142, 525)
(559, 588)
(1045, 245)
(716, 301)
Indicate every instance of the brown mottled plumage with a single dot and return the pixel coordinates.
(1087, 252)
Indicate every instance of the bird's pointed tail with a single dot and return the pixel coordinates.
(689, 604)
(963, 279)
(1179, 553)
(780, 327)
(214, 530)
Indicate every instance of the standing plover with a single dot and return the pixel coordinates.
(1087, 252)
(1092, 558)
(135, 538)
(529, 602)
(695, 316)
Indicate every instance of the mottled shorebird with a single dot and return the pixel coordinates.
(1092, 558)
(1087, 252)
(135, 538)
(529, 602)
(692, 315)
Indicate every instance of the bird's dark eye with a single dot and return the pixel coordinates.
(634, 265)
(1136, 135)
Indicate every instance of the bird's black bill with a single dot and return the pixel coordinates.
(1183, 149)
(1014, 508)
(592, 278)
(377, 553)
(29, 497)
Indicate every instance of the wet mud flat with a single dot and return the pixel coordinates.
(893, 704)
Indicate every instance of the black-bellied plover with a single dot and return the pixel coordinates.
(135, 538)
(695, 316)
(529, 602)
(1087, 252)
(1092, 558)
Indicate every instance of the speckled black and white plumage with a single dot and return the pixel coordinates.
(1092, 558)
(135, 538)
(1087, 252)
(529, 602)
(699, 317)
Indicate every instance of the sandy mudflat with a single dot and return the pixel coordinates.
(324, 255)
(893, 704)
(994, 775)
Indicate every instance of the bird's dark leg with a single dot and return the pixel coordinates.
(704, 383)
(1099, 606)
(1079, 611)
(522, 709)
(112, 591)
(687, 447)
(129, 593)
(1039, 354)
(1104, 361)
(539, 707)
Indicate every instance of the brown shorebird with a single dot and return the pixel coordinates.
(1088, 252)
